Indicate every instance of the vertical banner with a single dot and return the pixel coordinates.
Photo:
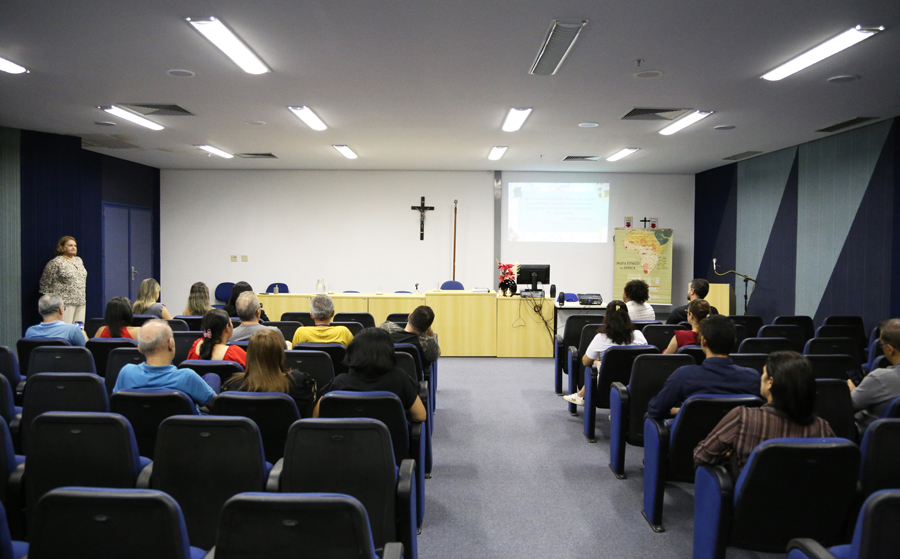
(644, 254)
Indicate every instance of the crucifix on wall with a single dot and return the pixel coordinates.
(422, 208)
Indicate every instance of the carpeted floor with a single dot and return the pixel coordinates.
(515, 478)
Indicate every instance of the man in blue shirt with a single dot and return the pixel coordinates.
(51, 308)
(157, 344)
(717, 375)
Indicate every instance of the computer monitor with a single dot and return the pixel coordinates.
(533, 274)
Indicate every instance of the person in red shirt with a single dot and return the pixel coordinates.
(698, 309)
(217, 328)
(118, 320)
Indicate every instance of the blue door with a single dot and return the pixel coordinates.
(127, 250)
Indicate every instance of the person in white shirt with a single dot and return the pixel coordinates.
(616, 330)
(637, 292)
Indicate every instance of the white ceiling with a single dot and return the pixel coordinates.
(425, 85)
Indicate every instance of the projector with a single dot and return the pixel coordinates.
(590, 299)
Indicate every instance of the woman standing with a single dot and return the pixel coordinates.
(147, 301)
(66, 276)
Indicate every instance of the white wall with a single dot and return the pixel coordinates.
(588, 267)
(355, 229)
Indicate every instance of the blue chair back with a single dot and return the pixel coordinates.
(660, 335)
(880, 456)
(117, 359)
(146, 409)
(364, 318)
(383, 406)
(92, 325)
(616, 367)
(754, 361)
(63, 392)
(354, 327)
(193, 322)
(101, 347)
(7, 401)
(804, 322)
(140, 319)
(452, 285)
(25, 346)
(834, 346)
(302, 317)
(223, 369)
(749, 321)
(833, 404)
(287, 327)
(840, 366)
(694, 351)
(792, 332)
(398, 317)
(9, 366)
(184, 341)
(273, 413)
(764, 345)
(337, 352)
(223, 291)
(648, 375)
(63, 359)
(316, 364)
(893, 410)
(177, 324)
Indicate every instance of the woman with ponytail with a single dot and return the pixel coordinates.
(217, 328)
(616, 330)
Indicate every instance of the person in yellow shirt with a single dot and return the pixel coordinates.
(321, 309)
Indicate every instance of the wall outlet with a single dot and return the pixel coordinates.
(234, 257)
(243, 258)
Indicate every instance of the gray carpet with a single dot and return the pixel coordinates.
(514, 476)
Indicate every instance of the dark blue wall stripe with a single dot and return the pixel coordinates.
(715, 220)
(894, 139)
(860, 283)
(776, 280)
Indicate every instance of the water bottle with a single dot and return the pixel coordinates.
(320, 286)
(276, 289)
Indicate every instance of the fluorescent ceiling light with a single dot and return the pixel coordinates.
(830, 47)
(684, 122)
(216, 151)
(624, 152)
(346, 151)
(11, 67)
(132, 117)
(515, 119)
(229, 43)
(309, 117)
(557, 45)
(497, 152)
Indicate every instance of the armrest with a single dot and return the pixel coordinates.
(622, 391)
(807, 547)
(143, 480)
(392, 550)
(20, 388)
(274, 481)
(15, 501)
(713, 493)
(15, 425)
(407, 513)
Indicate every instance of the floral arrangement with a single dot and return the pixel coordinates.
(508, 272)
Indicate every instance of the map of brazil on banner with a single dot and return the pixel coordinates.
(644, 254)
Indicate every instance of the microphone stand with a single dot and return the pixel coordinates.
(747, 280)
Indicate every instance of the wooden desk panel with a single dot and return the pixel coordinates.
(521, 332)
(350, 302)
(277, 304)
(466, 323)
(380, 306)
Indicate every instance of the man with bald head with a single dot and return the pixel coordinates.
(157, 344)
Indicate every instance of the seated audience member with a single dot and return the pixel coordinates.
(698, 309)
(148, 300)
(417, 332)
(321, 309)
(231, 307)
(157, 344)
(616, 330)
(698, 290)
(51, 308)
(373, 367)
(717, 375)
(266, 372)
(198, 300)
(217, 328)
(249, 311)
(881, 386)
(789, 387)
(637, 292)
(118, 320)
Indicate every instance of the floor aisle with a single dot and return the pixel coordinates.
(515, 478)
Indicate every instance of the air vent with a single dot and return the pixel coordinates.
(847, 124)
(739, 156)
(156, 109)
(581, 158)
(654, 114)
(557, 45)
(104, 141)
(257, 155)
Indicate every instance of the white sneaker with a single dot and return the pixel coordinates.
(574, 398)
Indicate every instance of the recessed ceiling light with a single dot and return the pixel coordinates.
(181, 73)
(648, 74)
(843, 79)
(624, 152)
(497, 152)
(588, 124)
(104, 123)
(346, 151)
(255, 122)
(11, 67)
(830, 47)
(131, 117)
(216, 151)
(684, 122)
(724, 127)
(309, 117)
(229, 43)
(515, 119)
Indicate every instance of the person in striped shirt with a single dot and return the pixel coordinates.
(789, 386)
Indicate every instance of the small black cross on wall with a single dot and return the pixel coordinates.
(645, 221)
(422, 208)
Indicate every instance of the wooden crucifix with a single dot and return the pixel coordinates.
(422, 208)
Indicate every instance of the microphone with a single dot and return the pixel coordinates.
(714, 265)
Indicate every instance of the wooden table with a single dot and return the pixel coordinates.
(467, 324)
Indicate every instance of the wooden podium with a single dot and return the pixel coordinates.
(721, 296)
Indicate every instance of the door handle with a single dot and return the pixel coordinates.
(133, 272)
